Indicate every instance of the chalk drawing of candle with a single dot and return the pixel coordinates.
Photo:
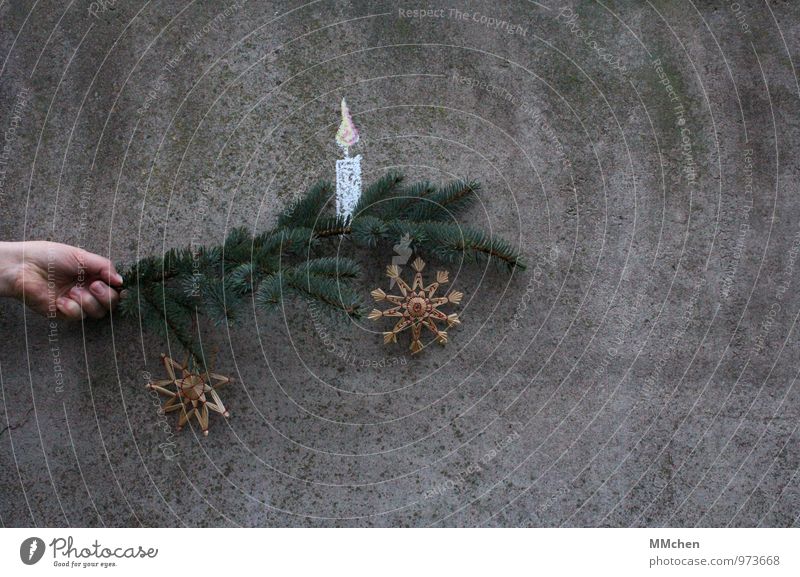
(348, 169)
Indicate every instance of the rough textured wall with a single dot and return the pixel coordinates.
(642, 370)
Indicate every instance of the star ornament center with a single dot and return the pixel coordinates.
(417, 306)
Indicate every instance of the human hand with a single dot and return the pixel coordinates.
(58, 280)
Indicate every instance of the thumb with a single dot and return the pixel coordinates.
(100, 267)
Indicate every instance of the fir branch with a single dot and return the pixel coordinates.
(332, 267)
(335, 294)
(244, 278)
(219, 305)
(295, 241)
(406, 199)
(170, 319)
(384, 188)
(332, 226)
(305, 212)
(444, 203)
(168, 292)
(451, 242)
(270, 293)
(368, 231)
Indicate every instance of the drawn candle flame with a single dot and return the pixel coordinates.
(347, 135)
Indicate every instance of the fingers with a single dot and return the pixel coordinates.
(87, 302)
(105, 295)
(93, 302)
(69, 309)
(100, 267)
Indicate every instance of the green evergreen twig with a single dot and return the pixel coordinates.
(167, 293)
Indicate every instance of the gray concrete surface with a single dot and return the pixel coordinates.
(642, 371)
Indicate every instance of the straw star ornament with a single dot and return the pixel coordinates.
(416, 306)
(189, 393)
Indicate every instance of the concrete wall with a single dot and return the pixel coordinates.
(642, 371)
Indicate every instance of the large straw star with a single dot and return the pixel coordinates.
(417, 306)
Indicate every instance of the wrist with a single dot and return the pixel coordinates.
(10, 267)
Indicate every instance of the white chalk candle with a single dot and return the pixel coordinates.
(348, 184)
(348, 169)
